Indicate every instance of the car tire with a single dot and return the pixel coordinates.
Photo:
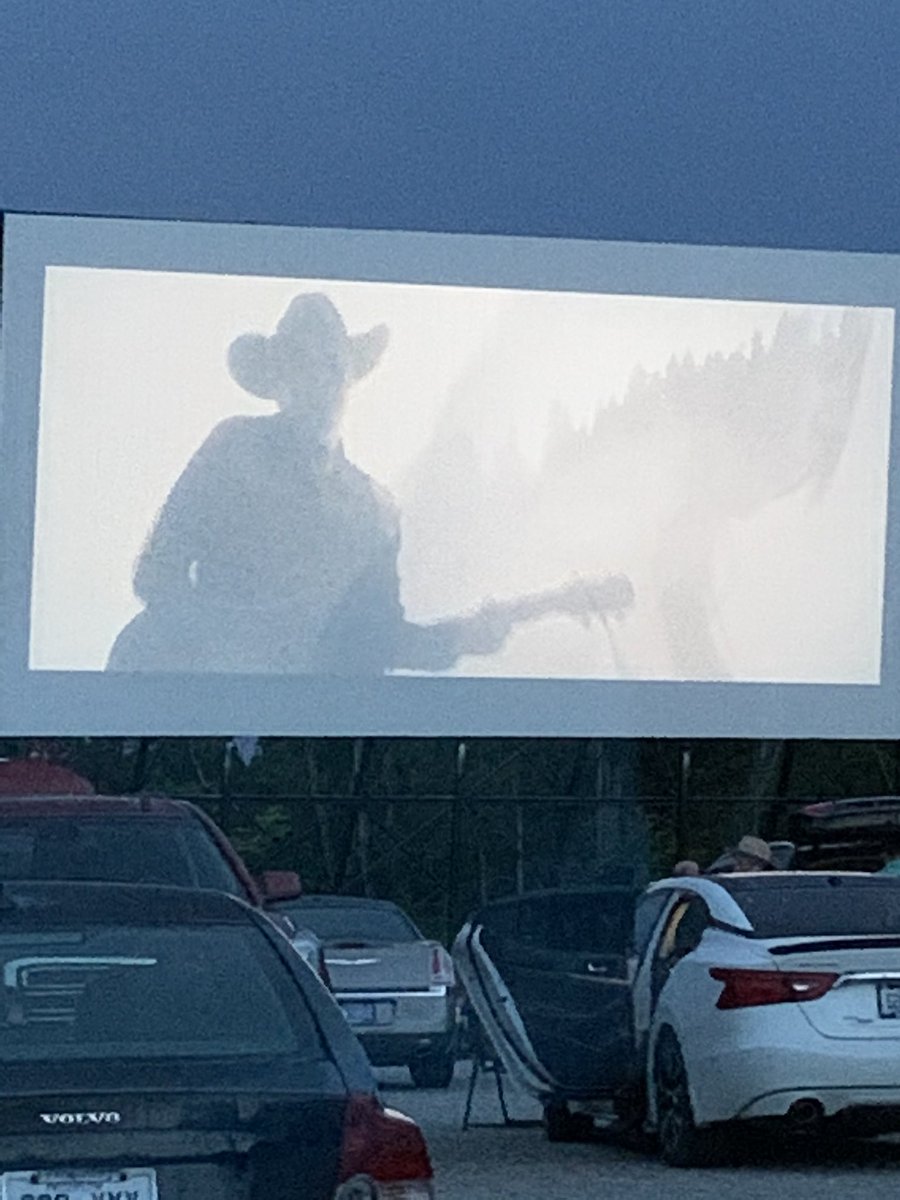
(562, 1125)
(433, 1070)
(630, 1108)
(681, 1142)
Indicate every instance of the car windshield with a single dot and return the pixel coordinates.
(126, 992)
(108, 849)
(354, 923)
(819, 905)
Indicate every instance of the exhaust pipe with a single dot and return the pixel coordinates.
(806, 1113)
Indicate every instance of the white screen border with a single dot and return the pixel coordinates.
(75, 703)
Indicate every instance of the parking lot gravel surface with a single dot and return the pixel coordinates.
(494, 1163)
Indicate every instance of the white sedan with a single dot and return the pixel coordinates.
(773, 995)
(727, 1000)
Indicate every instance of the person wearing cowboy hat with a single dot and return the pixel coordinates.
(752, 854)
(269, 526)
(273, 552)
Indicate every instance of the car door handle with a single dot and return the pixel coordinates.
(597, 968)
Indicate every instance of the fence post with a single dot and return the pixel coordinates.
(520, 849)
(681, 799)
(452, 905)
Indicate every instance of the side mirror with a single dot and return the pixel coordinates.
(280, 885)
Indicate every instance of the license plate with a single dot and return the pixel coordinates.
(359, 1012)
(889, 1001)
(80, 1185)
(368, 1012)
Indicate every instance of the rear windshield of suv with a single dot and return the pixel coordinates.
(112, 849)
(814, 906)
(126, 992)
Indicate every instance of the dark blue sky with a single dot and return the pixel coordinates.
(732, 121)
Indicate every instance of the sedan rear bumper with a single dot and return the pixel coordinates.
(766, 1079)
(833, 1101)
(399, 1050)
(407, 1024)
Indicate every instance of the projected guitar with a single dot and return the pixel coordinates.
(484, 630)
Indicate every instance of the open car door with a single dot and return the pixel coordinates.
(547, 974)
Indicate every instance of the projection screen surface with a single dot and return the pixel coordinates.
(330, 482)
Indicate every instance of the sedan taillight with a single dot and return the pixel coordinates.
(747, 987)
(442, 972)
(383, 1155)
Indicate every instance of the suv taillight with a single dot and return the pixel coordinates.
(383, 1155)
(746, 987)
(442, 973)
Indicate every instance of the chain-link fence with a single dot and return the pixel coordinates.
(442, 856)
(441, 825)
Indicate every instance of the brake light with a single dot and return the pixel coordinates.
(383, 1155)
(748, 987)
(442, 973)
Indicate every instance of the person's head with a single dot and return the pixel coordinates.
(687, 866)
(308, 363)
(752, 854)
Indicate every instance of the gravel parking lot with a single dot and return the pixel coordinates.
(519, 1164)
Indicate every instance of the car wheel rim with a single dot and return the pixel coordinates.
(673, 1104)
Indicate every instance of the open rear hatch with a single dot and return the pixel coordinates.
(849, 835)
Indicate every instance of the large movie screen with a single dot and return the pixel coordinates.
(400, 483)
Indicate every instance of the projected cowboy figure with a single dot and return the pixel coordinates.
(274, 553)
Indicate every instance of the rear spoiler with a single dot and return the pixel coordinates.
(873, 942)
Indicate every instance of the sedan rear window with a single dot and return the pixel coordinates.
(813, 906)
(351, 923)
(185, 992)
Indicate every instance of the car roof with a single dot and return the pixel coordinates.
(722, 893)
(35, 776)
(62, 904)
(804, 880)
(762, 878)
(721, 904)
(94, 806)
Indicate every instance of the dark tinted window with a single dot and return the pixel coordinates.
(133, 992)
(812, 906)
(114, 850)
(593, 921)
(353, 923)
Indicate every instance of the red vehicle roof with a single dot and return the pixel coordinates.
(34, 776)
